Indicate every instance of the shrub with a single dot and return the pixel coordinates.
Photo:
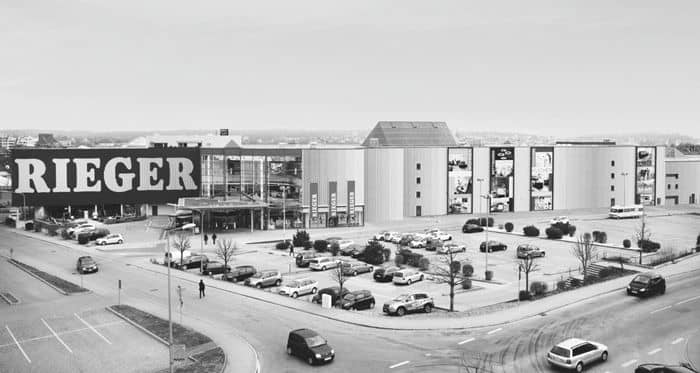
(524, 295)
(64, 234)
(300, 239)
(284, 245)
(488, 275)
(572, 230)
(531, 231)
(321, 246)
(603, 237)
(500, 226)
(399, 260)
(561, 285)
(563, 227)
(424, 264)
(413, 259)
(554, 233)
(509, 227)
(308, 245)
(37, 226)
(648, 246)
(28, 226)
(467, 270)
(375, 253)
(83, 238)
(575, 282)
(538, 287)
(626, 243)
(335, 248)
(466, 283)
(606, 272)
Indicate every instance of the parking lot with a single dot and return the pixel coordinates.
(90, 341)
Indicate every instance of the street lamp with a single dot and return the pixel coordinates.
(624, 186)
(284, 210)
(486, 229)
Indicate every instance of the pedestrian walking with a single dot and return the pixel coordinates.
(291, 248)
(213, 239)
(201, 289)
(206, 238)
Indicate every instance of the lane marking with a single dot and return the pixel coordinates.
(64, 332)
(466, 341)
(660, 309)
(93, 329)
(399, 364)
(628, 363)
(495, 331)
(56, 335)
(688, 300)
(677, 341)
(17, 343)
(654, 351)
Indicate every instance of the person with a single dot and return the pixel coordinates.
(291, 248)
(206, 238)
(201, 289)
(213, 239)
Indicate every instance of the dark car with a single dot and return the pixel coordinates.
(333, 291)
(358, 300)
(358, 252)
(310, 346)
(215, 268)
(385, 274)
(303, 259)
(645, 284)
(432, 244)
(355, 268)
(86, 265)
(472, 228)
(239, 273)
(194, 261)
(661, 368)
(493, 246)
(350, 250)
(529, 251)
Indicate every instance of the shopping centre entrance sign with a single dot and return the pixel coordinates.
(46, 177)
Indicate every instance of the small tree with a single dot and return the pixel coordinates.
(643, 233)
(374, 253)
(449, 274)
(335, 248)
(585, 251)
(181, 242)
(339, 277)
(527, 265)
(300, 239)
(226, 249)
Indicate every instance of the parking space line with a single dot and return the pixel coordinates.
(64, 332)
(17, 343)
(654, 351)
(93, 329)
(495, 331)
(628, 363)
(466, 341)
(660, 309)
(677, 341)
(688, 300)
(56, 335)
(399, 364)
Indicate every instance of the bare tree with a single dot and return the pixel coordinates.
(339, 277)
(182, 243)
(450, 273)
(226, 249)
(585, 251)
(527, 265)
(643, 233)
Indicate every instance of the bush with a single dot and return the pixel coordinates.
(561, 285)
(300, 239)
(509, 227)
(411, 258)
(572, 230)
(489, 275)
(284, 245)
(466, 283)
(64, 234)
(524, 295)
(83, 238)
(37, 226)
(648, 246)
(424, 264)
(28, 226)
(321, 246)
(575, 282)
(531, 231)
(554, 233)
(563, 227)
(538, 288)
(606, 272)
(467, 270)
(308, 245)
(375, 253)
(335, 248)
(626, 243)
(399, 260)
(603, 237)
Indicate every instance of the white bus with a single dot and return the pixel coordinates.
(622, 212)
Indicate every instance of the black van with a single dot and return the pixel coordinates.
(310, 346)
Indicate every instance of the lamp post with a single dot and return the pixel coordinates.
(480, 180)
(284, 210)
(624, 187)
(486, 229)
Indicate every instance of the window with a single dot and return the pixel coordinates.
(612, 188)
(676, 186)
(417, 166)
(418, 211)
(612, 163)
(612, 201)
(417, 194)
(417, 180)
(612, 175)
(669, 186)
(182, 145)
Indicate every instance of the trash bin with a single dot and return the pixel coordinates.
(326, 300)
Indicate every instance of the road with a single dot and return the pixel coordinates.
(631, 327)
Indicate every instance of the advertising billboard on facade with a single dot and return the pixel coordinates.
(63, 177)
(333, 198)
(502, 179)
(460, 188)
(645, 180)
(313, 193)
(541, 179)
(351, 202)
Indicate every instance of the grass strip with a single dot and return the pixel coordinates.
(58, 282)
(159, 327)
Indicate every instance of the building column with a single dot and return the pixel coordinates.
(262, 220)
(121, 209)
(252, 220)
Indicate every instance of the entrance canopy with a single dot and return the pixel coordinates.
(208, 204)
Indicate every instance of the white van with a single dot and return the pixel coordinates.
(323, 263)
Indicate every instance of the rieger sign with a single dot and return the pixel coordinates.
(45, 177)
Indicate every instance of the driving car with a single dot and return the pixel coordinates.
(265, 278)
(559, 219)
(472, 228)
(385, 274)
(575, 353)
(406, 276)
(333, 291)
(303, 259)
(299, 287)
(310, 346)
(110, 239)
(355, 268)
(529, 251)
(86, 265)
(193, 261)
(323, 263)
(239, 273)
(214, 268)
(492, 246)
(358, 300)
(662, 368)
(451, 248)
(646, 284)
(409, 303)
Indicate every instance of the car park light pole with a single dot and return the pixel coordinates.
(486, 231)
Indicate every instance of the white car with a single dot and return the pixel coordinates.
(394, 237)
(442, 236)
(343, 244)
(110, 239)
(577, 353)
(451, 248)
(299, 287)
(407, 277)
(323, 263)
(82, 228)
(418, 244)
(559, 219)
(380, 236)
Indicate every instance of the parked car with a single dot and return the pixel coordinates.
(559, 219)
(442, 236)
(646, 284)
(343, 244)
(406, 276)
(323, 263)
(299, 287)
(355, 268)
(452, 248)
(111, 239)
(433, 244)
(358, 300)
(385, 274)
(472, 228)
(380, 236)
(493, 246)
(576, 353)
(82, 228)
(194, 261)
(239, 273)
(310, 346)
(394, 237)
(529, 251)
(357, 251)
(418, 243)
(661, 368)
(303, 259)
(215, 268)
(333, 291)
(265, 278)
(86, 265)
(405, 303)
(348, 250)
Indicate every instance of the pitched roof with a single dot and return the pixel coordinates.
(410, 134)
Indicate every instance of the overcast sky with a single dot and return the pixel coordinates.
(570, 67)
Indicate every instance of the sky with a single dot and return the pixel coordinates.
(545, 67)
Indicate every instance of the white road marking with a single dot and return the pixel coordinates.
(677, 341)
(660, 309)
(63, 332)
(93, 329)
(628, 363)
(495, 331)
(654, 351)
(56, 335)
(399, 364)
(688, 300)
(465, 341)
(17, 343)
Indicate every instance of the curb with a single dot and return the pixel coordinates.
(38, 278)
(2, 295)
(118, 314)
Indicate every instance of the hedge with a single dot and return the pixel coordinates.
(524, 295)
(538, 287)
(509, 227)
(486, 221)
(531, 231)
(321, 246)
(335, 248)
(284, 245)
(83, 238)
(399, 260)
(600, 237)
(626, 243)
(554, 233)
(466, 283)
(648, 246)
(424, 264)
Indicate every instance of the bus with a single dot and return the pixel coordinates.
(622, 212)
